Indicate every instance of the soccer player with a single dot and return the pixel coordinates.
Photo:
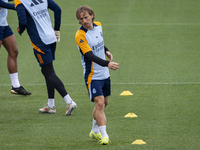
(89, 39)
(34, 16)
(8, 40)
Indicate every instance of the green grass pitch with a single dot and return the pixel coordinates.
(156, 43)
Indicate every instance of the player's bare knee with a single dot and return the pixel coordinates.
(13, 53)
(100, 105)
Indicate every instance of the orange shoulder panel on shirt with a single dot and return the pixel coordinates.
(97, 23)
(17, 2)
(82, 42)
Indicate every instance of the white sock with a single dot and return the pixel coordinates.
(51, 102)
(95, 127)
(14, 80)
(68, 99)
(102, 129)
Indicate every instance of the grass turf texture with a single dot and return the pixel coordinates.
(157, 46)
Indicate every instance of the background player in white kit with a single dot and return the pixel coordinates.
(34, 17)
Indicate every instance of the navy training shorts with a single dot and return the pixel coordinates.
(5, 31)
(99, 87)
(45, 54)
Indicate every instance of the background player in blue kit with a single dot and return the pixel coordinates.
(8, 40)
(34, 16)
(89, 39)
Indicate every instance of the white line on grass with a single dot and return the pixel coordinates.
(158, 83)
(156, 24)
(135, 24)
(133, 83)
(143, 24)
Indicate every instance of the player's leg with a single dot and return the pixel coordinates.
(101, 102)
(94, 89)
(71, 105)
(50, 107)
(95, 127)
(95, 133)
(106, 101)
(102, 127)
(10, 45)
(98, 113)
(53, 82)
(100, 117)
(96, 92)
(50, 77)
(45, 55)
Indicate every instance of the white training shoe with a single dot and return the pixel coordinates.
(70, 108)
(47, 109)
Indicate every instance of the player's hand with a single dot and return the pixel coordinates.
(57, 33)
(109, 55)
(20, 31)
(113, 65)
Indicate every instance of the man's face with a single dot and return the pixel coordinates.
(86, 20)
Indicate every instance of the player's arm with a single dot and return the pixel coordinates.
(108, 53)
(7, 5)
(96, 59)
(57, 17)
(21, 13)
(106, 49)
(111, 65)
(101, 62)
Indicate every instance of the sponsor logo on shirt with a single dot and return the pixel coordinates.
(36, 2)
(98, 47)
(40, 14)
(81, 41)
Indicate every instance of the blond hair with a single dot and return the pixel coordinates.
(84, 8)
